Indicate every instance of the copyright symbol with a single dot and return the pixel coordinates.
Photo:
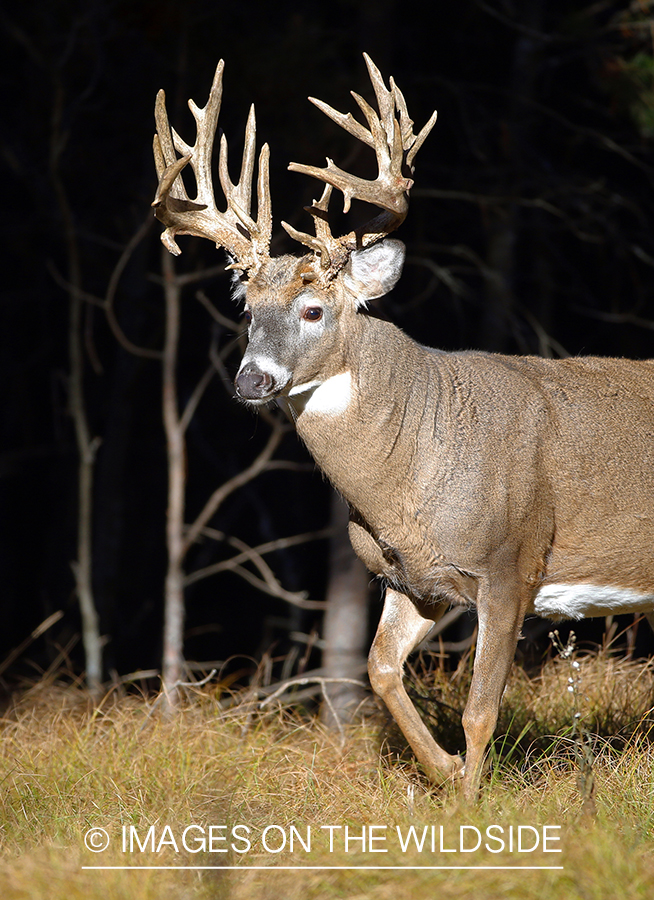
(96, 840)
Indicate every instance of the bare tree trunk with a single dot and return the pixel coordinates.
(87, 447)
(173, 639)
(180, 538)
(345, 629)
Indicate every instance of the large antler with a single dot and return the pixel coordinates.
(248, 241)
(391, 137)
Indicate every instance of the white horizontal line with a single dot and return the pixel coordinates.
(339, 868)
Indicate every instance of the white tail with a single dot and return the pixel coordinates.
(518, 485)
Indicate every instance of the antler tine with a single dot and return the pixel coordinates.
(345, 120)
(234, 229)
(410, 142)
(406, 122)
(239, 196)
(168, 182)
(420, 139)
(390, 134)
(329, 249)
(262, 238)
(166, 162)
(385, 98)
(240, 193)
(206, 119)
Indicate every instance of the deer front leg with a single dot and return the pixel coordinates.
(400, 630)
(499, 627)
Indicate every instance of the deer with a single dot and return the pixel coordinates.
(516, 485)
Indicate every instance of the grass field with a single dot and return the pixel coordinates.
(248, 788)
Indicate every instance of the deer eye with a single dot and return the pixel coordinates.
(247, 315)
(312, 314)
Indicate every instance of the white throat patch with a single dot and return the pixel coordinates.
(327, 398)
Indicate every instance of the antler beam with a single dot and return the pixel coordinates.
(244, 238)
(390, 134)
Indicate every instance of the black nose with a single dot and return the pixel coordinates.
(251, 384)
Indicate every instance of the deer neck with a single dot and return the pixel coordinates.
(354, 423)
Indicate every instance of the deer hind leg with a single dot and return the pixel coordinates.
(499, 627)
(400, 630)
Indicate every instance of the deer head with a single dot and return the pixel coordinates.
(298, 308)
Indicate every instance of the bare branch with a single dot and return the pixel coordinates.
(490, 199)
(196, 396)
(271, 546)
(546, 342)
(295, 598)
(38, 631)
(110, 295)
(66, 285)
(252, 554)
(458, 288)
(309, 679)
(196, 684)
(616, 318)
(221, 493)
(248, 554)
(219, 365)
(186, 278)
(223, 320)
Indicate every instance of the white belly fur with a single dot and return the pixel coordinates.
(580, 601)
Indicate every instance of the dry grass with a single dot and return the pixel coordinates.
(66, 768)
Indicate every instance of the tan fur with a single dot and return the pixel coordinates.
(475, 478)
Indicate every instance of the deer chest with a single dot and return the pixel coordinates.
(413, 567)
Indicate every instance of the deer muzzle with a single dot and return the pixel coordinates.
(254, 385)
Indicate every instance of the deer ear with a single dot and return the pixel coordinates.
(374, 271)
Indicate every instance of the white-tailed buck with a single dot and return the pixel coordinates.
(519, 485)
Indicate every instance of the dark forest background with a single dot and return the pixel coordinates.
(530, 231)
